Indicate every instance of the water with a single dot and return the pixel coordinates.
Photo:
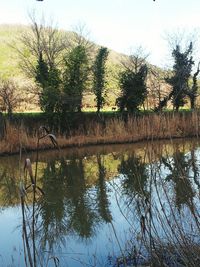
(120, 205)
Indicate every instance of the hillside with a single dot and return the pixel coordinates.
(9, 59)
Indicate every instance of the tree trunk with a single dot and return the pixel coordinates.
(192, 103)
(2, 126)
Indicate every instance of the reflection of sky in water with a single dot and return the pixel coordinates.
(123, 198)
(10, 237)
(77, 251)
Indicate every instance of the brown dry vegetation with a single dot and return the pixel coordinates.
(151, 127)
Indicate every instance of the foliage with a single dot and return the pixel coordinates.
(193, 89)
(133, 89)
(41, 56)
(13, 52)
(183, 62)
(49, 80)
(75, 79)
(54, 44)
(42, 38)
(99, 76)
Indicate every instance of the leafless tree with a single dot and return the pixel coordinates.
(135, 60)
(81, 36)
(10, 96)
(41, 38)
(158, 89)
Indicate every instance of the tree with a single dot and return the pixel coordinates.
(75, 79)
(49, 80)
(99, 76)
(133, 89)
(157, 87)
(132, 81)
(45, 38)
(192, 90)
(183, 62)
(81, 36)
(10, 96)
(41, 58)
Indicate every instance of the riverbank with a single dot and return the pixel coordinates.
(113, 131)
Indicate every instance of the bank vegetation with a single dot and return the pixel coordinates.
(111, 131)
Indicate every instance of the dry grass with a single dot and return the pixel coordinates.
(152, 127)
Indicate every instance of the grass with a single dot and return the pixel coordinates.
(111, 131)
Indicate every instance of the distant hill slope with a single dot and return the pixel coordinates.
(9, 59)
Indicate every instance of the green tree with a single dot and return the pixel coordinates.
(183, 62)
(42, 71)
(41, 54)
(193, 89)
(49, 80)
(99, 76)
(133, 88)
(41, 37)
(75, 79)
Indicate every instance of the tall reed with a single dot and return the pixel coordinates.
(115, 130)
(29, 213)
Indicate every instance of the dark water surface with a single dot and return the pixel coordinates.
(122, 205)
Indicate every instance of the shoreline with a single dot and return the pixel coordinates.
(154, 127)
(77, 146)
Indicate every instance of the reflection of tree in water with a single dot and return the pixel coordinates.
(179, 167)
(194, 167)
(52, 207)
(80, 207)
(67, 207)
(9, 191)
(135, 176)
(102, 197)
(165, 233)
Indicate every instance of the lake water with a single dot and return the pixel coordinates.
(122, 205)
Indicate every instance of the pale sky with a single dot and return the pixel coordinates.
(116, 24)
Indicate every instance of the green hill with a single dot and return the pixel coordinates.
(9, 58)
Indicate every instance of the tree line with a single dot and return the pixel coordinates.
(64, 68)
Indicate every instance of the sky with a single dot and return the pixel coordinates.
(121, 25)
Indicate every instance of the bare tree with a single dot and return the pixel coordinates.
(10, 96)
(81, 36)
(158, 89)
(136, 59)
(41, 38)
(182, 38)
